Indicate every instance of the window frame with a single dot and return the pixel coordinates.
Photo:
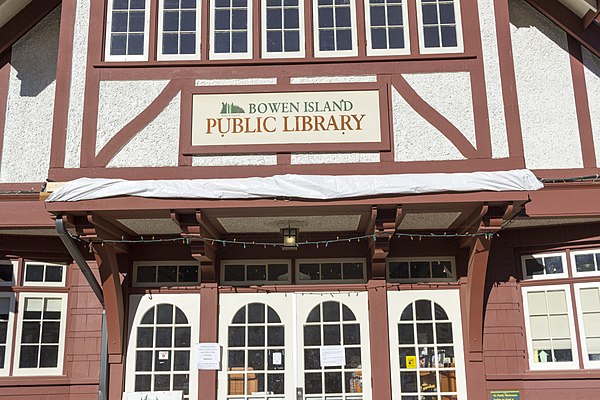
(353, 52)
(440, 50)
(249, 54)
(15, 270)
(405, 28)
(319, 261)
(107, 40)
(137, 264)
(159, 33)
(577, 274)
(544, 276)
(43, 283)
(246, 263)
(587, 364)
(451, 259)
(10, 331)
(551, 366)
(40, 371)
(301, 53)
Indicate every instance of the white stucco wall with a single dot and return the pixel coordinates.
(449, 93)
(545, 90)
(415, 139)
(74, 123)
(157, 145)
(32, 84)
(120, 102)
(493, 84)
(592, 81)
(233, 160)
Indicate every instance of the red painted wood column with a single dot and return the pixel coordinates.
(209, 323)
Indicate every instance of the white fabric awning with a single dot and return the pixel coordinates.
(316, 187)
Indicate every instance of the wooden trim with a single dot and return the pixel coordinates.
(4, 83)
(413, 27)
(64, 67)
(128, 132)
(432, 116)
(512, 119)
(92, 84)
(584, 121)
(284, 159)
(24, 21)
(186, 115)
(481, 118)
(153, 30)
(563, 17)
(379, 340)
(209, 324)
(244, 171)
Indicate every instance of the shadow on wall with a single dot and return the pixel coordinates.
(523, 15)
(34, 55)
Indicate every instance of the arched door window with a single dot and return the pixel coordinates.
(426, 349)
(163, 350)
(332, 323)
(255, 353)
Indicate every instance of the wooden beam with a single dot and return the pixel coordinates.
(384, 226)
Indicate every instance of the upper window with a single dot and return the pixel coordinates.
(586, 262)
(333, 270)
(387, 27)
(178, 22)
(40, 334)
(230, 29)
(335, 22)
(544, 266)
(283, 28)
(550, 328)
(44, 274)
(419, 269)
(127, 30)
(439, 26)
(7, 273)
(256, 272)
(166, 274)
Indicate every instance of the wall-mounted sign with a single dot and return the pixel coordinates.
(332, 356)
(208, 356)
(288, 121)
(505, 395)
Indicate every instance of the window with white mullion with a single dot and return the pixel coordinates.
(6, 327)
(387, 27)
(439, 26)
(283, 28)
(587, 297)
(231, 35)
(179, 22)
(585, 262)
(127, 30)
(335, 22)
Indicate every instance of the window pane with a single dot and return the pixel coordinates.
(6, 272)
(34, 273)
(553, 265)
(432, 38)
(28, 357)
(54, 273)
(146, 273)
(584, 262)
(234, 273)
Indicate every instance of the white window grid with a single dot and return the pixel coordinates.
(7, 316)
(234, 5)
(41, 371)
(11, 266)
(301, 279)
(283, 5)
(246, 264)
(334, 5)
(589, 322)
(553, 317)
(157, 264)
(253, 340)
(387, 6)
(434, 359)
(451, 272)
(590, 258)
(44, 282)
(108, 56)
(179, 32)
(459, 48)
(546, 259)
(318, 326)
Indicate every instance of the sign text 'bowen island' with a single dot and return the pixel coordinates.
(286, 118)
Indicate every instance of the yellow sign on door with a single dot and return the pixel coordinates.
(411, 362)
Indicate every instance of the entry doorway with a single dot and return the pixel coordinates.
(272, 346)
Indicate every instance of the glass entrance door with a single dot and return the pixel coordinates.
(273, 346)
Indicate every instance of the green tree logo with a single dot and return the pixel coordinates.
(230, 108)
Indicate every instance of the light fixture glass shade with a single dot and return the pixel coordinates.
(290, 236)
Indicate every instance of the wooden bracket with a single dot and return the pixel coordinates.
(383, 224)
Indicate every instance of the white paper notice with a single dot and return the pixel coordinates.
(208, 356)
(333, 356)
(277, 358)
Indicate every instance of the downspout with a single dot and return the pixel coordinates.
(97, 289)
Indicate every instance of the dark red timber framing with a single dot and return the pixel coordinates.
(588, 152)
